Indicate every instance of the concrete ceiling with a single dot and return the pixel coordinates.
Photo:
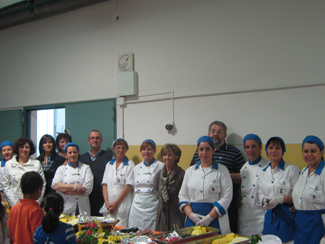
(38, 9)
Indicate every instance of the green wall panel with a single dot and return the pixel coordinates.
(11, 125)
(83, 117)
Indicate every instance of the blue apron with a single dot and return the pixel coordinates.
(280, 221)
(202, 208)
(309, 226)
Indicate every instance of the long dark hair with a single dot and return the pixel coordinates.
(43, 140)
(53, 207)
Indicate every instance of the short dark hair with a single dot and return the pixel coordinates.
(43, 140)
(224, 127)
(61, 136)
(30, 182)
(96, 131)
(276, 142)
(20, 142)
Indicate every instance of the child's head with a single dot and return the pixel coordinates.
(53, 202)
(53, 207)
(31, 184)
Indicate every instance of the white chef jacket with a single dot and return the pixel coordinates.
(309, 191)
(80, 175)
(251, 213)
(279, 181)
(116, 180)
(208, 185)
(145, 202)
(13, 171)
(2, 169)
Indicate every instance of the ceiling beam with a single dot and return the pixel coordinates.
(39, 9)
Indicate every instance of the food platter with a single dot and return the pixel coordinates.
(186, 236)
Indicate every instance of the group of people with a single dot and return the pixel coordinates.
(276, 197)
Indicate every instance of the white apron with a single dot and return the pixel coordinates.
(251, 220)
(144, 211)
(124, 209)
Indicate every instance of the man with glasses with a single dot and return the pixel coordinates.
(230, 157)
(97, 159)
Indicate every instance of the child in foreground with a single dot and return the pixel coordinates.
(26, 215)
(52, 229)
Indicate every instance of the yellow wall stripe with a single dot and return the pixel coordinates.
(293, 155)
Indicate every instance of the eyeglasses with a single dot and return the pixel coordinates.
(217, 132)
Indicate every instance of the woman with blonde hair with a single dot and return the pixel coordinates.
(168, 184)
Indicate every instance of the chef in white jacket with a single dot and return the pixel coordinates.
(118, 180)
(276, 184)
(251, 213)
(17, 166)
(309, 194)
(206, 191)
(74, 182)
(145, 202)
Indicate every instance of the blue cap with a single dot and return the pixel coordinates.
(6, 143)
(117, 139)
(314, 139)
(253, 137)
(151, 141)
(70, 144)
(280, 139)
(206, 139)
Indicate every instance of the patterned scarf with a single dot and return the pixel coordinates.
(166, 182)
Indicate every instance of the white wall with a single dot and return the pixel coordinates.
(190, 47)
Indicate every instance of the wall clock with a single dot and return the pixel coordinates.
(126, 62)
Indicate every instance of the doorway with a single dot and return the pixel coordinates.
(46, 121)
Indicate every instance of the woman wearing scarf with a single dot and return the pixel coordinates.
(251, 213)
(308, 194)
(276, 183)
(117, 184)
(144, 206)
(168, 183)
(206, 191)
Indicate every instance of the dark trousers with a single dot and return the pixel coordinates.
(233, 216)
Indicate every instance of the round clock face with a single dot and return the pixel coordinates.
(125, 63)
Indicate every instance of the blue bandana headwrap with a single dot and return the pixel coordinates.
(314, 139)
(252, 137)
(279, 138)
(206, 139)
(117, 139)
(6, 143)
(71, 144)
(151, 141)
